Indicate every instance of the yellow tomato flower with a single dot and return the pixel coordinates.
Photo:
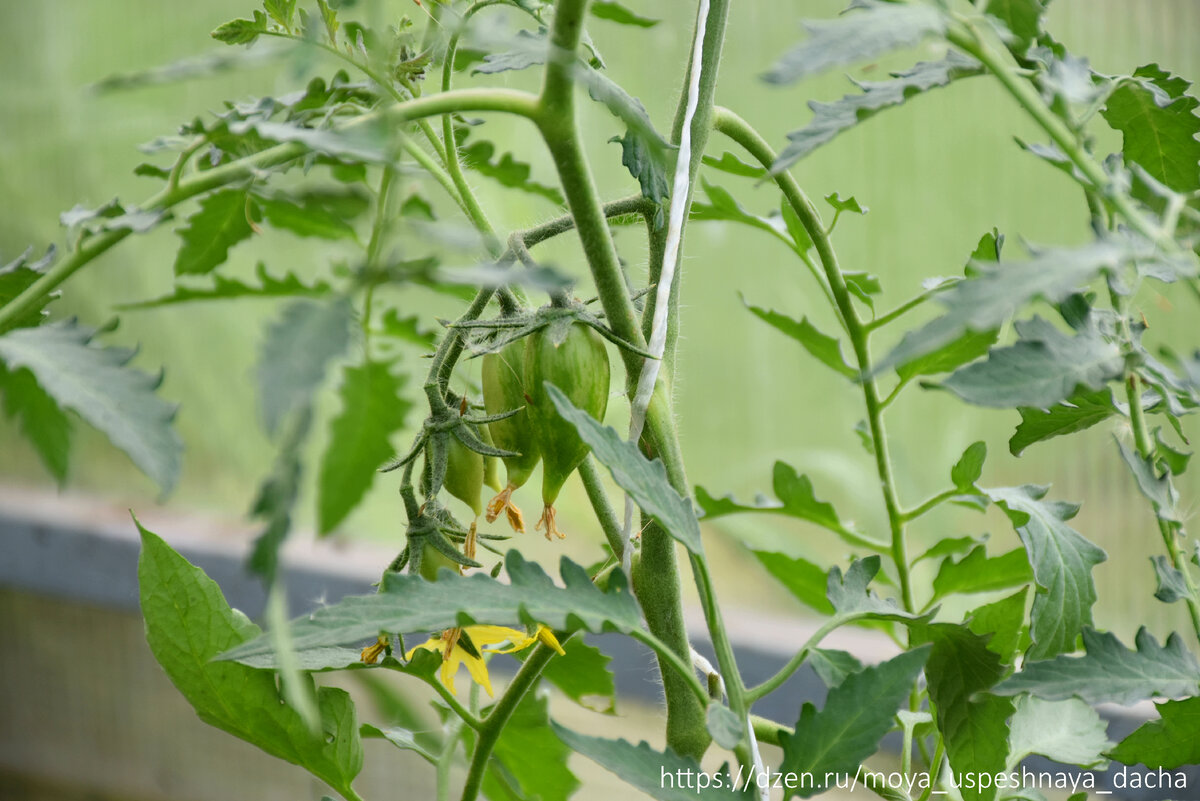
(465, 646)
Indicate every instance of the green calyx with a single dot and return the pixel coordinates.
(574, 360)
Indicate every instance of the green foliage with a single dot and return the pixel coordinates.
(826, 349)
(372, 410)
(74, 372)
(1069, 731)
(856, 715)
(803, 579)
(222, 221)
(1079, 412)
(529, 760)
(1172, 741)
(188, 623)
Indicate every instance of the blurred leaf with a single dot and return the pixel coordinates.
(222, 221)
(615, 12)
(734, 166)
(1157, 489)
(872, 29)
(188, 623)
(849, 204)
(1110, 672)
(402, 738)
(282, 11)
(993, 294)
(857, 714)
(527, 50)
(406, 329)
(801, 577)
(643, 768)
(1172, 741)
(1062, 562)
(39, 418)
(15, 278)
(831, 119)
(969, 467)
(978, 572)
(645, 480)
(1171, 586)
(863, 286)
(274, 506)
(296, 352)
(95, 382)
(408, 602)
(1022, 18)
(723, 206)
(241, 31)
(826, 349)
(583, 675)
(949, 546)
(1043, 368)
(1172, 459)
(372, 410)
(1080, 411)
(974, 724)
(529, 761)
(309, 219)
(966, 348)
(228, 288)
(367, 143)
(723, 725)
(507, 171)
(1003, 622)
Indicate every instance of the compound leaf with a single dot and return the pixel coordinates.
(1172, 741)
(95, 383)
(222, 221)
(1110, 672)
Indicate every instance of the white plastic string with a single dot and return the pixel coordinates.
(658, 331)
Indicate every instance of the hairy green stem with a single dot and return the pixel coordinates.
(656, 583)
(775, 682)
(605, 514)
(741, 132)
(501, 713)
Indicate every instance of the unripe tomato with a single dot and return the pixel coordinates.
(433, 560)
(464, 474)
(503, 391)
(579, 367)
(491, 464)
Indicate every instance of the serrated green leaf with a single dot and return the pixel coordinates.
(229, 288)
(645, 480)
(1022, 18)
(645, 164)
(796, 499)
(402, 738)
(1158, 124)
(960, 671)
(372, 410)
(410, 603)
(615, 12)
(365, 142)
(723, 206)
(241, 31)
(1171, 586)
(831, 119)
(871, 30)
(969, 467)
(18, 276)
(329, 17)
(993, 294)
(406, 329)
(39, 418)
(978, 572)
(1078, 412)
(1069, 732)
(1062, 562)
(526, 50)
(734, 166)
(188, 623)
(1110, 672)
(826, 349)
(529, 761)
(950, 546)
(1157, 489)
(1043, 368)
(309, 219)
(802, 578)
(1172, 741)
(506, 170)
(856, 716)
(282, 11)
(221, 223)
(863, 286)
(95, 383)
(1003, 621)
(296, 351)
(849, 204)
(968, 347)
(1172, 459)
(832, 666)
(643, 768)
(275, 504)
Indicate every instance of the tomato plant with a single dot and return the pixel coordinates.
(1053, 332)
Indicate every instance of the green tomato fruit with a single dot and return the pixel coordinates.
(464, 474)
(579, 367)
(503, 391)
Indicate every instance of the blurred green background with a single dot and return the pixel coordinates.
(936, 175)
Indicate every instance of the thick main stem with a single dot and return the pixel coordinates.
(741, 132)
(657, 581)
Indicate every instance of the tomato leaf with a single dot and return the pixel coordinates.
(1172, 741)
(222, 222)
